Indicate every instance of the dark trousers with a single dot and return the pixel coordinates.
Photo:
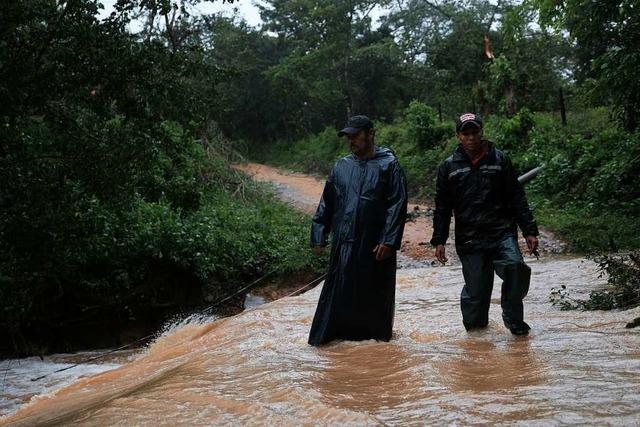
(478, 268)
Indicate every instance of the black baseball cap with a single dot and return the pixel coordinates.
(355, 124)
(468, 118)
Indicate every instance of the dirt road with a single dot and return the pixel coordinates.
(303, 192)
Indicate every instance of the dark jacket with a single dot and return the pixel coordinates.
(487, 200)
(364, 203)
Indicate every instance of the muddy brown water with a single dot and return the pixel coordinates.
(255, 368)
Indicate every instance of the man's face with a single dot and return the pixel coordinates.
(360, 143)
(471, 138)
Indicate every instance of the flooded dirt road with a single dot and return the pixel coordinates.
(255, 368)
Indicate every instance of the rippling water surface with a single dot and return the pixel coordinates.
(256, 368)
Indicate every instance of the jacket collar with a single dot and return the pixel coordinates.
(460, 155)
(378, 153)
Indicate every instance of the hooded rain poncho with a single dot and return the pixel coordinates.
(364, 203)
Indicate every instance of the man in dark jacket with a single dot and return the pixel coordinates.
(480, 186)
(364, 206)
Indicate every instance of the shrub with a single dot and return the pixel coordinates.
(512, 134)
(106, 232)
(421, 127)
(314, 154)
(622, 289)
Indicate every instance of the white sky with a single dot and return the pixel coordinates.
(245, 9)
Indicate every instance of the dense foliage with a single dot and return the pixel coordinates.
(606, 35)
(116, 197)
(117, 200)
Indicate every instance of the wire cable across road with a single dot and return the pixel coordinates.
(207, 310)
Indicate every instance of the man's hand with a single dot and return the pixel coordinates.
(318, 250)
(383, 252)
(440, 256)
(532, 244)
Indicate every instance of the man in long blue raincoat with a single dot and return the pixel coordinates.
(363, 206)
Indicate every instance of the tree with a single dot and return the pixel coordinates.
(336, 64)
(97, 146)
(607, 36)
(244, 105)
(444, 41)
(528, 67)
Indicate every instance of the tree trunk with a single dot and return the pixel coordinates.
(510, 100)
(347, 53)
(563, 113)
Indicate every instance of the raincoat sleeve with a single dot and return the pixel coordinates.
(396, 208)
(518, 201)
(442, 213)
(321, 222)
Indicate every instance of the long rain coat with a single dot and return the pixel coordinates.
(364, 203)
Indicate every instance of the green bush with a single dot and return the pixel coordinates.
(621, 291)
(588, 189)
(152, 253)
(117, 201)
(512, 134)
(421, 128)
(314, 154)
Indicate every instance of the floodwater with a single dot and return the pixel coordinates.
(256, 368)
(16, 387)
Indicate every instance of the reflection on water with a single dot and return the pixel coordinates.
(256, 368)
(486, 366)
(368, 376)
